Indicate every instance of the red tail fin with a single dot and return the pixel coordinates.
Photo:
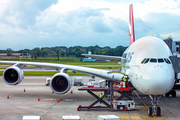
(131, 25)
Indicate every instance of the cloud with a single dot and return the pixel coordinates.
(32, 23)
(22, 13)
(98, 24)
(82, 26)
(43, 35)
(159, 23)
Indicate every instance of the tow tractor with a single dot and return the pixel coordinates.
(125, 104)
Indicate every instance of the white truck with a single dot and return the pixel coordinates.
(124, 104)
(78, 81)
(48, 81)
(94, 83)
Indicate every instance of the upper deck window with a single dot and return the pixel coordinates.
(147, 60)
(143, 61)
(160, 60)
(153, 60)
(167, 61)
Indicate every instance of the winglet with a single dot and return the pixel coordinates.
(131, 25)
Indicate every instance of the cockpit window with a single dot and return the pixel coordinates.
(167, 61)
(143, 61)
(153, 60)
(147, 60)
(160, 60)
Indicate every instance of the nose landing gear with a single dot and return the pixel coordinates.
(155, 109)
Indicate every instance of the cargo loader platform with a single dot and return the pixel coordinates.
(92, 107)
(124, 102)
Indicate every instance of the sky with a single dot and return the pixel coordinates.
(26, 24)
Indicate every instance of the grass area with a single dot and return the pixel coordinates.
(104, 67)
(62, 60)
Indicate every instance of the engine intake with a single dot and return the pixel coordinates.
(13, 75)
(61, 83)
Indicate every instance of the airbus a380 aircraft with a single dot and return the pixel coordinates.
(146, 63)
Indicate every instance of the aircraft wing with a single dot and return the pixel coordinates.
(105, 57)
(63, 68)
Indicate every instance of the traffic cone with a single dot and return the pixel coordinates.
(38, 99)
(24, 90)
(8, 97)
(71, 91)
(58, 100)
(52, 91)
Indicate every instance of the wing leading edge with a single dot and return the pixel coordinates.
(96, 72)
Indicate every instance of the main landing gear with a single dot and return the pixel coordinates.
(171, 92)
(155, 109)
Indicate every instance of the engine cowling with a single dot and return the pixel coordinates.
(13, 75)
(61, 83)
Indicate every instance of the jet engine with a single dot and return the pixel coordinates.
(13, 75)
(61, 83)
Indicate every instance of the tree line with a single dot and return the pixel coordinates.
(63, 51)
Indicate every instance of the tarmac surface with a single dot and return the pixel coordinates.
(23, 101)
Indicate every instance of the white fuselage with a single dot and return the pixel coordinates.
(154, 75)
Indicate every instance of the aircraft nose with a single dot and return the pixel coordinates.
(160, 80)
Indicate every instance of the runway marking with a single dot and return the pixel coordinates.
(135, 117)
(147, 117)
(140, 107)
(147, 113)
(42, 111)
(122, 117)
(49, 99)
(134, 113)
(69, 100)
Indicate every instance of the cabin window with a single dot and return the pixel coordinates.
(143, 61)
(124, 55)
(153, 60)
(160, 60)
(147, 60)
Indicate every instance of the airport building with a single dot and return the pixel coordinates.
(89, 58)
(173, 45)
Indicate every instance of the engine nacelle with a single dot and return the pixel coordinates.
(13, 75)
(61, 83)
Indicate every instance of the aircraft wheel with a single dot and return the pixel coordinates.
(150, 111)
(158, 114)
(173, 93)
(167, 94)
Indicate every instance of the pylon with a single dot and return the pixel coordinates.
(52, 91)
(38, 99)
(58, 100)
(71, 91)
(24, 90)
(8, 97)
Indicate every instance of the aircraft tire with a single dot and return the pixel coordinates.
(158, 114)
(173, 93)
(167, 94)
(150, 111)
